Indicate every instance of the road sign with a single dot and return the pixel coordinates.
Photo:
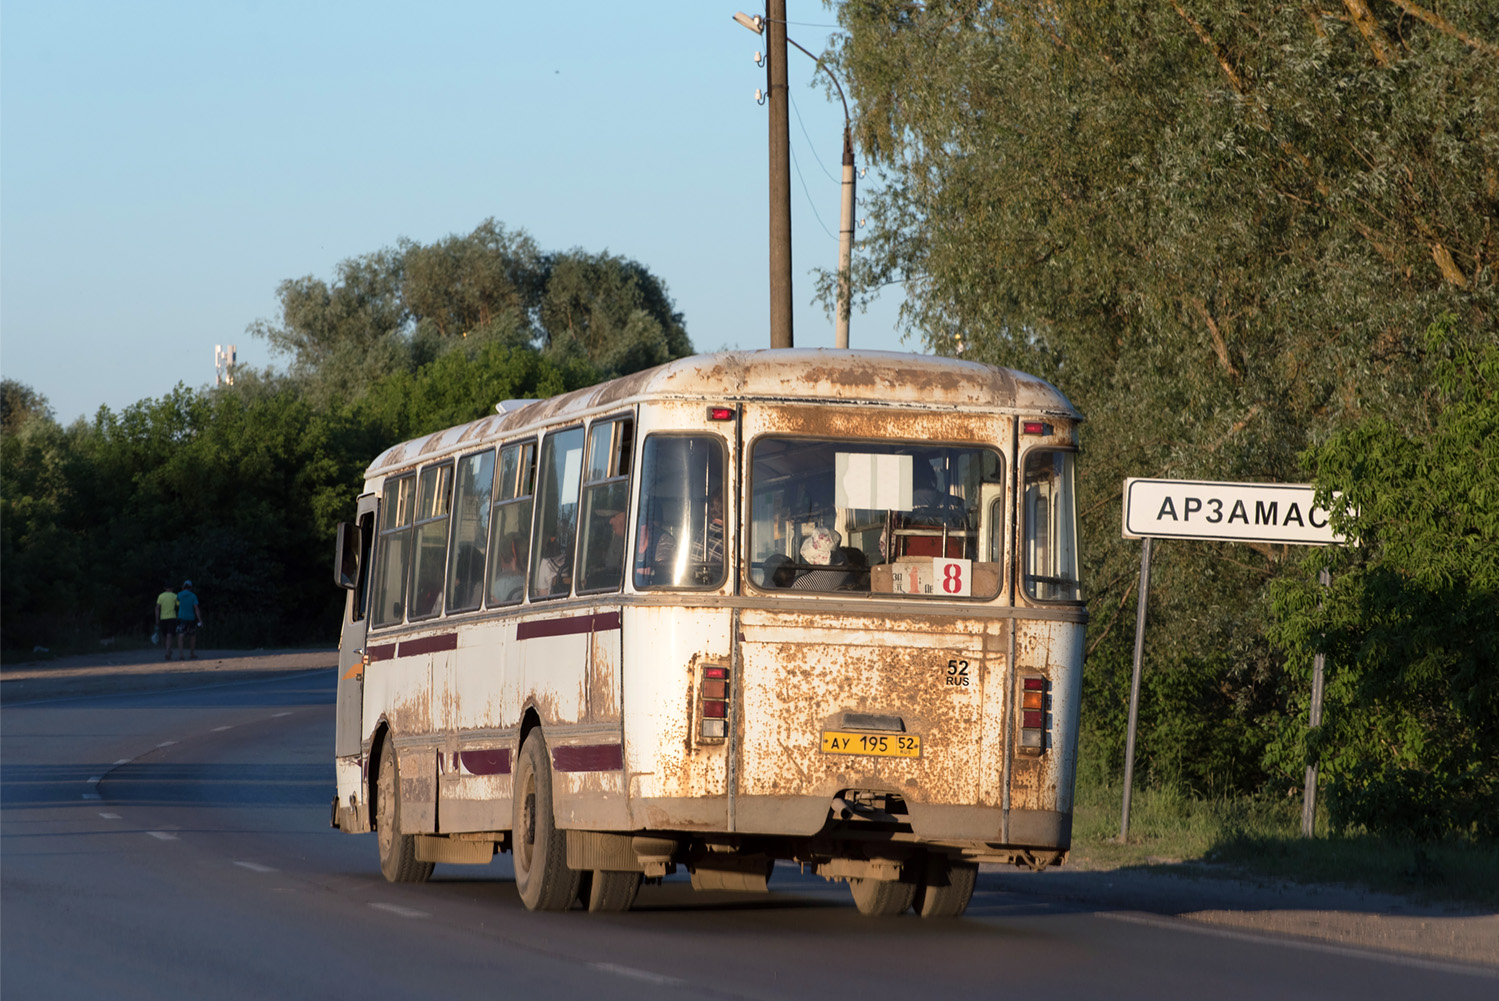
(1226, 512)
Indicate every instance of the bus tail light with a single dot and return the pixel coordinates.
(713, 703)
(1035, 427)
(1033, 715)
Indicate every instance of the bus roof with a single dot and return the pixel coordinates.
(887, 378)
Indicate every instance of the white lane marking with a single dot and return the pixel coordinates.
(255, 866)
(634, 974)
(94, 780)
(166, 743)
(399, 911)
(279, 715)
(162, 835)
(110, 816)
(123, 761)
(220, 729)
(1185, 924)
(92, 795)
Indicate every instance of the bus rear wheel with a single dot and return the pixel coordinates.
(397, 851)
(946, 887)
(542, 877)
(606, 891)
(882, 898)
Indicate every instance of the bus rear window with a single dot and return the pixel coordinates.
(879, 517)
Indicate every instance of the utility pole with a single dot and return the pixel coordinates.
(780, 175)
(845, 236)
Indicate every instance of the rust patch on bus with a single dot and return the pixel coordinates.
(603, 683)
(801, 675)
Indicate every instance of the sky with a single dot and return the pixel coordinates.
(164, 166)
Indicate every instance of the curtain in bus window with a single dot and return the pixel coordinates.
(1050, 528)
(556, 513)
(875, 516)
(434, 494)
(606, 491)
(679, 541)
(510, 545)
(471, 507)
(396, 510)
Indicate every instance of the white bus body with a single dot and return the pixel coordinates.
(808, 604)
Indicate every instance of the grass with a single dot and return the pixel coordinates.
(1260, 837)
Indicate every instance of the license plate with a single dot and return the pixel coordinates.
(883, 745)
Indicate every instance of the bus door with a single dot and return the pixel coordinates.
(355, 542)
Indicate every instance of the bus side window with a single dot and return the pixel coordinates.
(510, 525)
(396, 511)
(679, 540)
(471, 509)
(434, 495)
(555, 536)
(1050, 527)
(606, 499)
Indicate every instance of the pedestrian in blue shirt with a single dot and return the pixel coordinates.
(189, 618)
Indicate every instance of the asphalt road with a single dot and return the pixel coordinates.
(175, 844)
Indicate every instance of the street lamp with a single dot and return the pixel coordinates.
(781, 188)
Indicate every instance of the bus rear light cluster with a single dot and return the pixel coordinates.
(1032, 715)
(713, 703)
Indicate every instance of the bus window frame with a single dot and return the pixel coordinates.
(622, 452)
(1023, 527)
(1002, 590)
(527, 471)
(384, 533)
(536, 515)
(730, 518)
(437, 469)
(447, 591)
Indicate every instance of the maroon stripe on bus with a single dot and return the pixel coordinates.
(384, 651)
(429, 644)
(589, 758)
(536, 629)
(494, 761)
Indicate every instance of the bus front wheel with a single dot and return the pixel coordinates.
(397, 851)
(542, 877)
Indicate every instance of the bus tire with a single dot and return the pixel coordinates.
(542, 877)
(946, 887)
(611, 892)
(877, 898)
(397, 851)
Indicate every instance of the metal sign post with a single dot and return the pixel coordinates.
(1134, 689)
(1220, 512)
(1314, 720)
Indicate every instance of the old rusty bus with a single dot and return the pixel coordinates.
(808, 605)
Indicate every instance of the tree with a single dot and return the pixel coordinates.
(611, 311)
(1410, 739)
(398, 309)
(19, 404)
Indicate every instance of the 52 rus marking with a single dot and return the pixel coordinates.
(957, 674)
